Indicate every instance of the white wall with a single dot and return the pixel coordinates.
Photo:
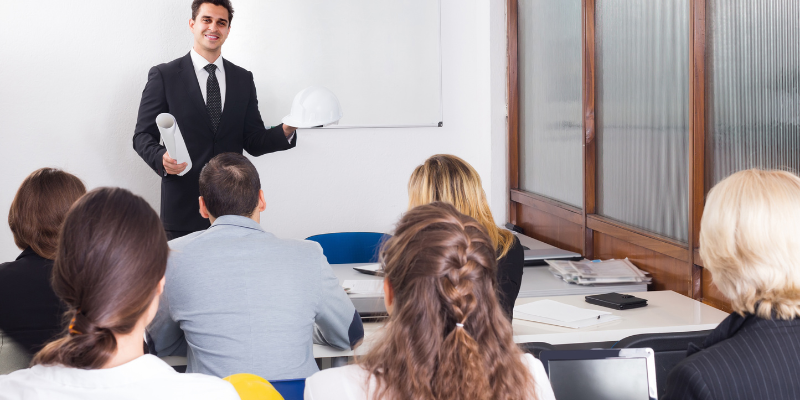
(72, 76)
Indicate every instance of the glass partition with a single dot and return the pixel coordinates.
(753, 86)
(642, 113)
(550, 81)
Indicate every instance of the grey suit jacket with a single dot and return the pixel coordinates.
(240, 300)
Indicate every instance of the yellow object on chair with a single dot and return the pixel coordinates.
(253, 387)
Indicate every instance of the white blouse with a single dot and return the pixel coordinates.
(146, 377)
(347, 383)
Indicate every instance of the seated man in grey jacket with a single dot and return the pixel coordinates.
(238, 299)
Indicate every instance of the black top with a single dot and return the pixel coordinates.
(173, 88)
(509, 277)
(743, 358)
(30, 312)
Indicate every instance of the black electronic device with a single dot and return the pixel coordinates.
(619, 374)
(617, 301)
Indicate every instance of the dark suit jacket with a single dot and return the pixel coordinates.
(743, 358)
(173, 88)
(509, 277)
(30, 312)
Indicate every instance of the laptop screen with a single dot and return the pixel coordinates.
(600, 379)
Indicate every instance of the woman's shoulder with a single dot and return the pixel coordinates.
(198, 386)
(147, 377)
(543, 389)
(348, 382)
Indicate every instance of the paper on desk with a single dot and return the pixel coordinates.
(560, 314)
(171, 138)
(372, 286)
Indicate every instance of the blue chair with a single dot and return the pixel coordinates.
(290, 389)
(350, 247)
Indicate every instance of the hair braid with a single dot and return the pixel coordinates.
(447, 338)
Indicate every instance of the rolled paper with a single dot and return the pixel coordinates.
(171, 138)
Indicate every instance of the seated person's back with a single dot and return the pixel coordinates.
(750, 242)
(30, 312)
(446, 337)
(239, 299)
(109, 272)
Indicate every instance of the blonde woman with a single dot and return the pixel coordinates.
(446, 338)
(447, 178)
(750, 242)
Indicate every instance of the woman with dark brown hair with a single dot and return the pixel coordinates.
(109, 271)
(446, 337)
(30, 313)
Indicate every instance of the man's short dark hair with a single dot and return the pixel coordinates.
(229, 184)
(225, 3)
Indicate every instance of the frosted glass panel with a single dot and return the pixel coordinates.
(550, 80)
(643, 65)
(753, 86)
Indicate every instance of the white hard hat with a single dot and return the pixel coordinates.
(314, 106)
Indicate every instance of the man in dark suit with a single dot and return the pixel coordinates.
(215, 105)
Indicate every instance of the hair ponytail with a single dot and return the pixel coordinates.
(460, 361)
(112, 253)
(84, 346)
(447, 338)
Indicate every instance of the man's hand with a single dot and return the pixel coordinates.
(171, 165)
(288, 130)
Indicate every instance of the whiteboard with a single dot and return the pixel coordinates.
(382, 58)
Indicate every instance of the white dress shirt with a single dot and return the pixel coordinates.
(199, 64)
(202, 75)
(146, 377)
(348, 383)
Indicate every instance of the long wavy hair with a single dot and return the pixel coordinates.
(441, 266)
(447, 178)
(112, 253)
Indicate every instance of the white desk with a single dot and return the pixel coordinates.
(666, 311)
(536, 282)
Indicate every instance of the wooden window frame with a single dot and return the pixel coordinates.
(682, 256)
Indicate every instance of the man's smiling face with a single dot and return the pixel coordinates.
(210, 28)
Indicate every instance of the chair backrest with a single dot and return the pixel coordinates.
(253, 387)
(535, 347)
(13, 356)
(350, 247)
(670, 349)
(290, 389)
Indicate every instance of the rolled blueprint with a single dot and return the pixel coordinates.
(171, 138)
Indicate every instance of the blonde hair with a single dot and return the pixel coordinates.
(447, 178)
(750, 242)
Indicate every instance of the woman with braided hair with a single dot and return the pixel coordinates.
(447, 178)
(109, 271)
(446, 337)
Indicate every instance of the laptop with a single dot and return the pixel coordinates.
(537, 256)
(608, 374)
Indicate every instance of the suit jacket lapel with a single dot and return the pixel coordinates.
(193, 90)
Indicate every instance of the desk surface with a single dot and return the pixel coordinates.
(667, 311)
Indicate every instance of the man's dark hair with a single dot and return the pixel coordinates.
(229, 184)
(225, 3)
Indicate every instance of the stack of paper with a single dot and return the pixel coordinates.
(598, 272)
(560, 314)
